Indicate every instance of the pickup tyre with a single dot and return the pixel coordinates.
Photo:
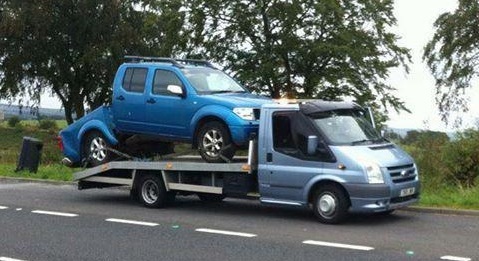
(95, 149)
(214, 143)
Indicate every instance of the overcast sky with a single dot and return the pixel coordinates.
(415, 26)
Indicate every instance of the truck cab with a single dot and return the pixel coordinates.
(328, 155)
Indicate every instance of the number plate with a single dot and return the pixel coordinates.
(407, 192)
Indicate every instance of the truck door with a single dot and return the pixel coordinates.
(168, 113)
(288, 166)
(129, 100)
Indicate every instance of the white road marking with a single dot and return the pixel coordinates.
(18, 209)
(337, 245)
(224, 232)
(3, 207)
(9, 259)
(43, 212)
(455, 258)
(133, 222)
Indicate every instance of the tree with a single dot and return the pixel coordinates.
(453, 56)
(73, 48)
(304, 49)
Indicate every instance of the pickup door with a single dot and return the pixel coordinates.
(129, 100)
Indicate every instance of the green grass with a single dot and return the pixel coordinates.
(451, 197)
(47, 172)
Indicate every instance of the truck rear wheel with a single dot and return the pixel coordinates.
(330, 204)
(152, 192)
(214, 143)
(95, 149)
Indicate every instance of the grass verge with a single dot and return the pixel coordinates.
(47, 172)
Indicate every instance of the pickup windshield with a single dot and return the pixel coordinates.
(210, 81)
(346, 127)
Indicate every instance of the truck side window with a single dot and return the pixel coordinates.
(134, 80)
(290, 135)
(162, 79)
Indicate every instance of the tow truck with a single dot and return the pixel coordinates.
(322, 155)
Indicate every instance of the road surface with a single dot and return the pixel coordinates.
(41, 221)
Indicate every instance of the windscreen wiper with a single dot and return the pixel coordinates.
(357, 142)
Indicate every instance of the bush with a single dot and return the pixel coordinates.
(13, 121)
(461, 159)
(47, 124)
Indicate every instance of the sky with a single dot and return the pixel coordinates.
(416, 89)
(415, 27)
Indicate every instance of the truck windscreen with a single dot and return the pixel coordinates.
(346, 127)
(210, 81)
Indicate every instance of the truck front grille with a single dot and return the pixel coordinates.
(403, 173)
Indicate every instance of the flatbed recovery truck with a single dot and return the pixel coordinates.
(320, 155)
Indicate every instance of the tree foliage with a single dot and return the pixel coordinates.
(72, 48)
(327, 49)
(453, 56)
(307, 49)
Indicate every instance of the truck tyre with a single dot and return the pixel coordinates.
(330, 204)
(152, 192)
(214, 143)
(207, 197)
(95, 149)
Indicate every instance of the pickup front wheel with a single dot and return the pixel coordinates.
(214, 143)
(95, 149)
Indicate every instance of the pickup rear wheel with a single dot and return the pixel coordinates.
(95, 149)
(152, 192)
(214, 143)
(330, 204)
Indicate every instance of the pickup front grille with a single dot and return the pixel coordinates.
(403, 173)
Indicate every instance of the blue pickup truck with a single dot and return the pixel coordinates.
(158, 101)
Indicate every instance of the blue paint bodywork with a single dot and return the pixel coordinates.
(168, 117)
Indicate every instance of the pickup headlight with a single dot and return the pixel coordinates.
(245, 113)
(373, 172)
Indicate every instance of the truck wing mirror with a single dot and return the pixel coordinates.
(175, 89)
(312, 145)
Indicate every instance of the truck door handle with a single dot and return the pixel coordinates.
(151, 101)
(269, 157)
(120, 98)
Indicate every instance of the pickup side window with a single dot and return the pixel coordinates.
(162, 79)
(290, 135)
(134, 80)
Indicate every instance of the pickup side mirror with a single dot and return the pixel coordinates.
(312, 145)
(175, 89)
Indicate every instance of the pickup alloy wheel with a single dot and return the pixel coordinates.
(214, 143)
(95, 149)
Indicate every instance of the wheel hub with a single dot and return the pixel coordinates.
(98, 149)
(150, 192)
(212, 143)
(327, 204)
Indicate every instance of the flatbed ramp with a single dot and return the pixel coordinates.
(178, 175)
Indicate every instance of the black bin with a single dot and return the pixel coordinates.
(30, 154)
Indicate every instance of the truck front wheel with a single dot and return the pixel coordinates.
(330, 204)
(214, 143)
(95, 149)
(152, 192)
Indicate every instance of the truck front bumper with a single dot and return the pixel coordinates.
(371, 198)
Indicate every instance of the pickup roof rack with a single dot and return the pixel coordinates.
(175, 62)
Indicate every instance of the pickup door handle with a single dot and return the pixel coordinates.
(151, 100)
(120, 98)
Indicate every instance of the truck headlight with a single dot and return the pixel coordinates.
(245, 113)
(373, 172)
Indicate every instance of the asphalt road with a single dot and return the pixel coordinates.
(57, 222)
